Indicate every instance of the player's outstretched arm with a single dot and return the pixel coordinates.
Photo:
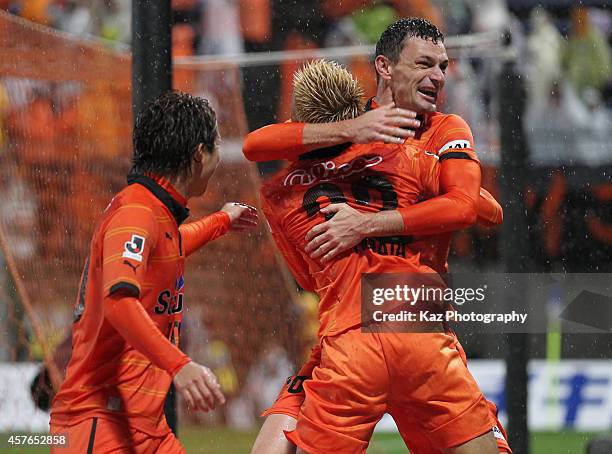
(233, 216)
(128, 317)
(490, 212)
(289, 140)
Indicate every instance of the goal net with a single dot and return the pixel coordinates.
(65, 149)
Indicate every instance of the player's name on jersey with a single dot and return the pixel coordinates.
(395, 246)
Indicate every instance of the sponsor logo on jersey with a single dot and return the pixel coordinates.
(171, 302)
(328, 171)
(133, 249)
(498, 433)
(134, 267)
(455, 145)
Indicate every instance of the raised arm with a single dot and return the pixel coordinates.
(289, 140)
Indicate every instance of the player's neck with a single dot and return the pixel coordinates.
(384, 95)
(180, 185)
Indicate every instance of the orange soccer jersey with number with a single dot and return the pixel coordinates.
(444, 135)
(441, 136)
(136, 252)
(370, 177)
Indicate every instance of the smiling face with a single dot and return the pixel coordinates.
(417, 79)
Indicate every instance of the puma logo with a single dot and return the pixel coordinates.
(168, 236)
(125, 262)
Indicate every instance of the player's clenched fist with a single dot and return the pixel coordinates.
(199, 387)
(242, 216)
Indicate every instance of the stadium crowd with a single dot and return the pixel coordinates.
(564, 53)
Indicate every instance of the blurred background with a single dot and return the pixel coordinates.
(65, 147)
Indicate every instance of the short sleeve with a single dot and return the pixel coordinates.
(129, 238)
(454, 140)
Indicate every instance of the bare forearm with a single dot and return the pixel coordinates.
(384, 223)
(323, 135)
(443, 215)
(289, 140)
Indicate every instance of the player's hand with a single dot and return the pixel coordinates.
(345, 230)
(199, 387)
(242, 216)
(386, 123)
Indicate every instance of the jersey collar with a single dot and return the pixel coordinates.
(167, 194)
(371, 104)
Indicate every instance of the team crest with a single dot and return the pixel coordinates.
(133, 249)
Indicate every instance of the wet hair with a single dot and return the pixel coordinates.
(325, 92)
(391, 42)
(168, 132)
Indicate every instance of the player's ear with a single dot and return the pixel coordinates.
(383, 67)
(199, 154)
(207, 157)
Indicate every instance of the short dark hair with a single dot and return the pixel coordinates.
(168, 131)
(391, 42)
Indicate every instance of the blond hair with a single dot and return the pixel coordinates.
(324, 92)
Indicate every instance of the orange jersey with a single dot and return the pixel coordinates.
(136, 261)
(449, 139)
(370, 177)
(445, 136)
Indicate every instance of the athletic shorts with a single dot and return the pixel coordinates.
(291, 397)
(99, 436)
(420, 379)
